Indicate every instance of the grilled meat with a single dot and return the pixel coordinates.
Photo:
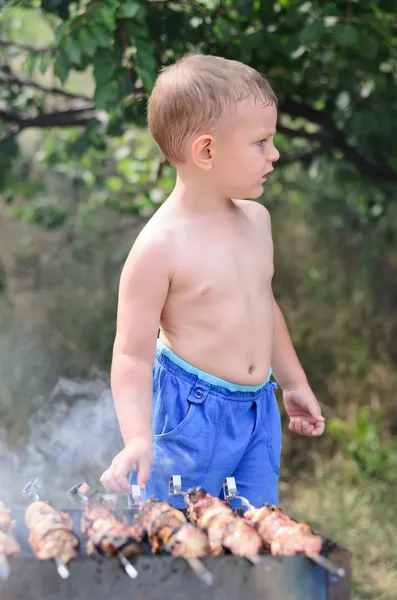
(107, 532)
(51, 533)
(188, 542)
(8, 546)
(284, 536)
(6, 522)
(223, 527)
(167, 528)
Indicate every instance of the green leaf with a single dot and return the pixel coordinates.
(104, 65)
(147, 65)
(106, 16)
(45, 61)
(72, 50)
(31, 61)
(221, 27)
(368, 47)
(346, 35)
(60, 31)
(114, 183)
(87, 42)
(147, 79)
(61, 68)
(101, 35)
(106, 96)
(128, 10)
(311, 34)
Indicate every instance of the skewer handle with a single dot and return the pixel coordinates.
(129, 569)
(62, 569)
(245, 502)
(200, 570)
(175, 486)
(327, 564)
(258, 561)
(4, 567)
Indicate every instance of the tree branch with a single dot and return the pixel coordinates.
(336, 139)
(13, 80)
(77, 117)
(289, 160)
(301, 133)
(24, 47)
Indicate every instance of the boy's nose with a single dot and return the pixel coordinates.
(275, 155)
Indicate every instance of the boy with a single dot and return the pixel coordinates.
(199, 401)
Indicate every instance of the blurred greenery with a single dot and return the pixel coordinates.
(79, 175)
(87, 67)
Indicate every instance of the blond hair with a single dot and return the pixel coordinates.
(190, 96)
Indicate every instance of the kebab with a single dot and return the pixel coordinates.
(283, 535)
(108, 533)
(217, 519)
(51, 535)
(167, 529)
(8, 545)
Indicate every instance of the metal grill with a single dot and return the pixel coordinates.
(162, 576)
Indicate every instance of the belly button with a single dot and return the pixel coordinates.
(251, 368)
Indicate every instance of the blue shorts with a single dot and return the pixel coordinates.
(206, 429)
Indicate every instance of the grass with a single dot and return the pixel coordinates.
(359, 514)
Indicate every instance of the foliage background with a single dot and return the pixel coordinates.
(79, 176)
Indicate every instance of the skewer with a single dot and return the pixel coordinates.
(175, 486)
(31, 492)
(4, 567)
(62, 569)
(230, 492)
(326, 563)
(78, 494)
(175, 489)
(200, 570)
(129, 569)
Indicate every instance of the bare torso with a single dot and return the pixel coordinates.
(218, 315)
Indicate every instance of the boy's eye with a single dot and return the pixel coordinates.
(263, 141)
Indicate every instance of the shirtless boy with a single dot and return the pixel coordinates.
(199, 400)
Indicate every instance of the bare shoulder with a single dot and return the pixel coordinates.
(152, 249)
(256, 211)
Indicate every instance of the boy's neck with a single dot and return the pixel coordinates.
(194, 194)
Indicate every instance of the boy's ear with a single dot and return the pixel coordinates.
(202, 152)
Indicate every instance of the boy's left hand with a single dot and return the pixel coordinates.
(304, 411)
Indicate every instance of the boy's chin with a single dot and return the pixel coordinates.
(249, 193)
(254, 193)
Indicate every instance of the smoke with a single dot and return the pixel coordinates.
(73, 439)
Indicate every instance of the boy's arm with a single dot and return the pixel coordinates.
(143, 290)
(285, 364)
(300, 402)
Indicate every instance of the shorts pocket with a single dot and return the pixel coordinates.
(178, 428)
(185, 425)
(271, 420)
(172, 408)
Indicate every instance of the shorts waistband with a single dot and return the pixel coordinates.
(211, 379)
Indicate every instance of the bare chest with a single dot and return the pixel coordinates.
(217, 267)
